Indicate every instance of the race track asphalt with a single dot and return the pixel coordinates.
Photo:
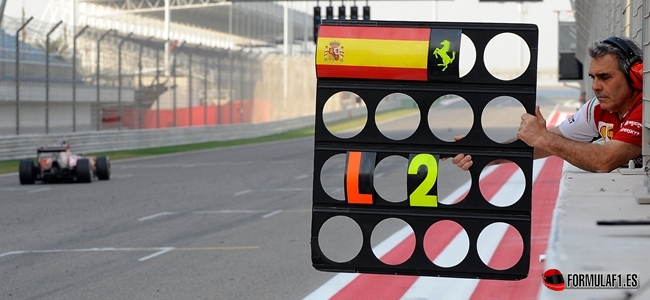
(230, 223)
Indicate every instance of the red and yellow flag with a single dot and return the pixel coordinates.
(372, 52)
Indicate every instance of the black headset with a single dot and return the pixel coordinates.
(634, 74)
(623, 45)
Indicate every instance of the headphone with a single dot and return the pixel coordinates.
(635, 74)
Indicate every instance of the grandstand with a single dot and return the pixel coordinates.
(32, 61)
(213, 23)
(218, 53)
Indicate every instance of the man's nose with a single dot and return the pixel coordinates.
(596, 85)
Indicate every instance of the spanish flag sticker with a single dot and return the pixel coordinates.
(388, 53)
(372, 53)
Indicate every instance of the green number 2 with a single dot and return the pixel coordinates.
(419, 196)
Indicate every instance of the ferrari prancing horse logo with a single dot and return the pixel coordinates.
(444, 54)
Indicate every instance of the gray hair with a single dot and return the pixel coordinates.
(601, 48)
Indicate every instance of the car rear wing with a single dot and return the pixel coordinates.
(51, 149)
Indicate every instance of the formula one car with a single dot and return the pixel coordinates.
(58, 164)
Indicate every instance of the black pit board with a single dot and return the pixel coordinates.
(338, 41)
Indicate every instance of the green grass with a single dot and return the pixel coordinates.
(10, 166)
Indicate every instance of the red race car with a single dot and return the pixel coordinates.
(58, 164)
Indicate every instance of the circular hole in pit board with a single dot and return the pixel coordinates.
(397, 116)
(345, 114)
(392, 241)
(500, 246)
(467, 55)
(501, 119)
(446, 243)
(502, 184)
(453, 183)
(506, 56)
(340, 239)
(332, 176)
(390, 178)
(450, 116)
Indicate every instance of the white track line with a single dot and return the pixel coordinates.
(243, 192)
(284, 190)
(227, 211)
(11, 253)
(273, 190)
(271, 214)
(39, 190)
(167, 213)
(332, 286)
(163, 251)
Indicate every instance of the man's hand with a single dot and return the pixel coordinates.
(532, 128)
(463, 161)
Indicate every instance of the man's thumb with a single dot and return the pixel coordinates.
(538, 114)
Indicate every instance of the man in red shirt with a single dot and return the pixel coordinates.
(615, 115)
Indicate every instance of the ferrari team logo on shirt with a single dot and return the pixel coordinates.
(334, 52)
(606, 130)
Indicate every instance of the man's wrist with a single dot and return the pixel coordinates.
(543, 141)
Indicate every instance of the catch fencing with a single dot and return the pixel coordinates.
(96, 80)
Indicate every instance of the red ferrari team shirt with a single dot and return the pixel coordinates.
(591, 121)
